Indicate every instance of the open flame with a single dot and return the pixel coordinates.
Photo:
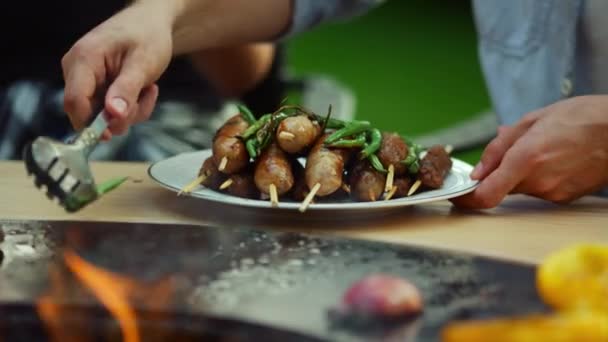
(117, 294)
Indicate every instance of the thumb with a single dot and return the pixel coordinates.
(124, 92)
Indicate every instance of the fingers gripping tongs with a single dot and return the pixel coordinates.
(62, 169)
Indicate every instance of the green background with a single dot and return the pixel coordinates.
(413, 65)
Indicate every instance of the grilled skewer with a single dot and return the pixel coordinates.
(273, 173)
(325, 166)
(297, 133)
(229, 152)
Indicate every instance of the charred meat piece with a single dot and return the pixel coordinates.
(297, 133)
(403, 185)
(325, 166)
(213, 177)
(229, 151)
(243, 185)
(366, 183)
(273, 167)
(434, 167)
(393, 151)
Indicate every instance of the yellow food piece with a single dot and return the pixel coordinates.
(575, 278)
(560, 327)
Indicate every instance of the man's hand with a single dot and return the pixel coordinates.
(119, 62)
(558, 153)
(122, 58)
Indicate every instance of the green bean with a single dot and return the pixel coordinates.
(270, 127)
(295, 108)
(334, 124)
(376, 164)
(411, 157)
(330, 123)
(418, 149)
(110, 185)
(280, 117)
(374, 145)
(414, 167)
(359, 141)
(412, 161)
(251, 130)
(266, 133)
(247, 114)
(266, 140)
(263, 138)
(262, 133)
(73, 203)
(410, 143)
(252, 148)
(351, 128)
(324, 126)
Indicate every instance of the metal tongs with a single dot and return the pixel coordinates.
(62, 169)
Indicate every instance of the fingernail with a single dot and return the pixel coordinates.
(477, 171)
(120, 105)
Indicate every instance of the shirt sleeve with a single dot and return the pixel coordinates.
(308, 14)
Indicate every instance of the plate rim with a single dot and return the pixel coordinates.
(261, 204)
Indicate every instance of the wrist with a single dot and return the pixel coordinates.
(165, 12)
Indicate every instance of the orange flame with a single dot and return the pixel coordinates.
(114, 299)
(112, 290)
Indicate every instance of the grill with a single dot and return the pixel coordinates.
(126, 281)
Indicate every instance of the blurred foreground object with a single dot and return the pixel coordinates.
(574, 281)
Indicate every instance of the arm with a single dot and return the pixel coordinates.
(202, 25)
(208, 24)
(237, 69)
(129, 52)
(233, 71)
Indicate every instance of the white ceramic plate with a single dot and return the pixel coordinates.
(176, 172)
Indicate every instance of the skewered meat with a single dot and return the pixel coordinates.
(228, 147)
(366, 183)
(325, 166)
(403, 185)
(273, 167)
(393, 151)
(434, 167)
(275, 144)
(297, 133)
(213, 177)
(243, 185)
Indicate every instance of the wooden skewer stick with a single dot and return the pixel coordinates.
(287, 136)
(390, 178)
(223, 164)
(274, 197)
(414, 187)
(449, 149)
(346, 188)
(309, 197)
(226, 184)
(192, 185)
(390, 194)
